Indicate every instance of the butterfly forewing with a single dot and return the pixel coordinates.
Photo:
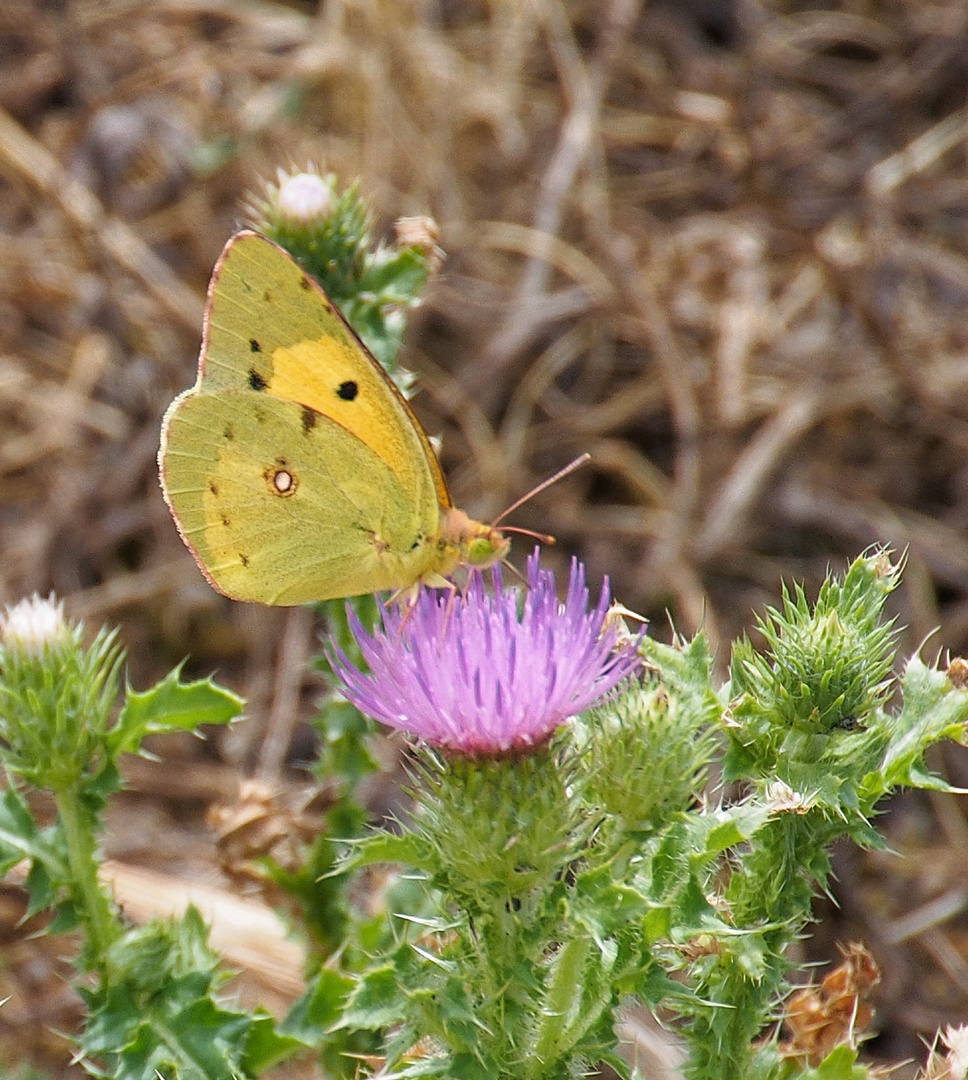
(270, 328)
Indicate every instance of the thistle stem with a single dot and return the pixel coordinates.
(94, 909)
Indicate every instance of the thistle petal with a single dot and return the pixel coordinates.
(482, 674)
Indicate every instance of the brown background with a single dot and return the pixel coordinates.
(720, 245)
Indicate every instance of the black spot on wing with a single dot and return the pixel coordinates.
(256, 381)
(213, 488)
(254, 345)
(229, 432)
(309, 418)
(347, 390)
(244, 559)
(304, 283)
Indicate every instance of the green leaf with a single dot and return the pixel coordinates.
(732, 829)
(19, 835)
(171, 705)
(933, 709)
(618, 1065)
(578, 989)
(266, 1046)
(156, 1013)
(320, 1007)
(405, 848)
(839, 1064)
(605, 905)
(715, 832)
(657, 923)
(376, 1002)
(313, 1020)
(398, 276)
(44, 848)
(688, 668)
(695, 914)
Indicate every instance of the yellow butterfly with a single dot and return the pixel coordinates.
(294, 468)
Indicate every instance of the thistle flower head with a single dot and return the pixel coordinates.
(33, 624)
(304, 197)
(483, 674)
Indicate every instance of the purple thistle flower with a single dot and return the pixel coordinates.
(472, 673)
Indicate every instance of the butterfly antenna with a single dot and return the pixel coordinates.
(559, 475)
(544, 538)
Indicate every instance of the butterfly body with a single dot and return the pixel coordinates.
(294, 468)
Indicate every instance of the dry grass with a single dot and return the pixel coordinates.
(721, 246)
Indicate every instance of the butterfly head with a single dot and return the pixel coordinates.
(477, 545)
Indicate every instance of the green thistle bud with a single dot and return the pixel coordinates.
(328, 232)
(651, 749)
(825, 669)
(325, 230)
(56, 697)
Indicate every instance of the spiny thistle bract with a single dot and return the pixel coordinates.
(824, 668)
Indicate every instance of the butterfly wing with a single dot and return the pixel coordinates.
(270, 326)
(282, 505)
(294, 468)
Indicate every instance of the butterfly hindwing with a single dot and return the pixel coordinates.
(282, 505)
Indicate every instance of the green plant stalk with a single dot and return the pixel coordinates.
(552, 1040)
(94, 908)
(769, 895)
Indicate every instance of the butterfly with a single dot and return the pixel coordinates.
(294, 468)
